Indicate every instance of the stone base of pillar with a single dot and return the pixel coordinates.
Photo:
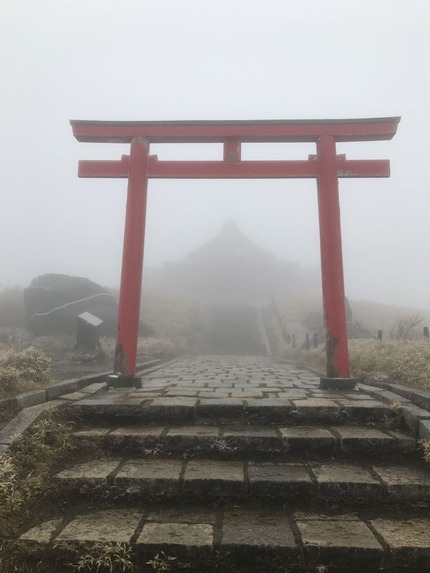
(123, 381)
(337, 383)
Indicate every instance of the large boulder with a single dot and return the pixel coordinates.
(53, 302)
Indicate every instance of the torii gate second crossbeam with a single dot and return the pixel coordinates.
(325, 166)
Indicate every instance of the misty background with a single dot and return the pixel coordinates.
(223, 60)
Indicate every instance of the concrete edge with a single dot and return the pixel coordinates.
(413, 404)
(68, 386)
(417, 397)
(30, 405)
(22, 421)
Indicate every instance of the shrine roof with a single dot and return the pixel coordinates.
(230, 243)
(307, 130)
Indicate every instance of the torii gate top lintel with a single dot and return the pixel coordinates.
(309, 130)
(326, 166)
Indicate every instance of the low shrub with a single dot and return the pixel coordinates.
(22, 370)
(25, 467)
(425, 447)
(403, 361)
(105, 558)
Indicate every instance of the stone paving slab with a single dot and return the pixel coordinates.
(331, 472)
(338, 543)
(408, 541)
(44, 532)
(150, 469)
(94, 470)
(347, 481)
(177, 537)
(359, 439)
(341, 542)
(217, 479)
(230, 441)
(257, 537)
(397, 479)
(279, 480)
(184, 514)
(109, 525)
(306, 439)
(242, 389)
(214, 478)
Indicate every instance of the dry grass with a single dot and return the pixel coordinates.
(405, 362)
(25, 468)
(161, 563)
(105, 558)
(22, 370)
(425, 446)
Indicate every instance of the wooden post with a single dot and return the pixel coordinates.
(315, 339)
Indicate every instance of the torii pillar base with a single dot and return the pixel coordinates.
(123, 381)
(327, 383)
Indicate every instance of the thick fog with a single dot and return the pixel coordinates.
(207, 60)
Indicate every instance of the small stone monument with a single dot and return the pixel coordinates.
(88, 331)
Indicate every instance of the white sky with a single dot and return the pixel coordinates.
(196, 59)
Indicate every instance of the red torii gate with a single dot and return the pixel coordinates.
(326, 167)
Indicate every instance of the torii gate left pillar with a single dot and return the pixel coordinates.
(325, 166)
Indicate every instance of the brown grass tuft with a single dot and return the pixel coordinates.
(24, 469)
(22, 370)
(406, 362)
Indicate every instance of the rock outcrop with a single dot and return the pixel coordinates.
(53, 302)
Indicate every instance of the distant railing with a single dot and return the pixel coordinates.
(291, 338)
(311, 339)
(425, 334)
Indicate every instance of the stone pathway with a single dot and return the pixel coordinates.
(233, 380)
(234, 463)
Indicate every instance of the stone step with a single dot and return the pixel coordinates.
(256, 442)
(243, 407)
(236, 539)
(298, 484)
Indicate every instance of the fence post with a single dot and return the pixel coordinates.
(315, 338)
(380, 335)
(307, 342)
(426, 331)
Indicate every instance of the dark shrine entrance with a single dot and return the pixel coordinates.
(325, 166)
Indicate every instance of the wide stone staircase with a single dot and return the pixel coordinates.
(242, 465)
